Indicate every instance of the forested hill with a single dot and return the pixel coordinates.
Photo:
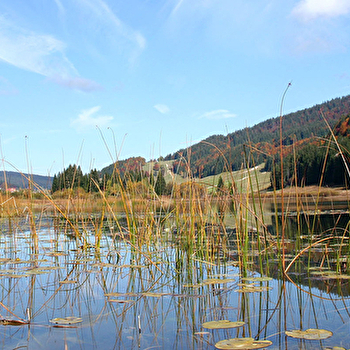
(12, 179)
(205, 160)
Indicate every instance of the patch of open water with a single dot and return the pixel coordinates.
(155, 297)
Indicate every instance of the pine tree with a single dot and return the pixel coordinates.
(160, 186)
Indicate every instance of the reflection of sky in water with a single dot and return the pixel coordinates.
(170, 318)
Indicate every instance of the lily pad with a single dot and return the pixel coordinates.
(311, 334)
(68, 282)
(218, 281)
(257, 279)
(116, 294)
(253, 289)
(154, 294)
(222, 324)
(121, 301)
(336, 276)
(66, 320)
(11, 322)
(242, 343)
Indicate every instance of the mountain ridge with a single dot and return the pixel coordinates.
(204, 159)
(13, 179)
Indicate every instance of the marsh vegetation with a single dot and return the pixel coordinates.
(128, 262)
(126, 271)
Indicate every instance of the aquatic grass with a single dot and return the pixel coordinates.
(156, 247)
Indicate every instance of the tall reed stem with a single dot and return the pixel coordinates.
(282, 179)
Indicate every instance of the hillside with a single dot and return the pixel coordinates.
(17, 180)
(219, 154)
(234, 148)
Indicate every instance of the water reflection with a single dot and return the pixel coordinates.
(156, 296)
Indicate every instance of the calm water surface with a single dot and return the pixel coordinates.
(155, 297)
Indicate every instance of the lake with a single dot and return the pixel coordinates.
(156, 292)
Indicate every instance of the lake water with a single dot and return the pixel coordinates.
(157, 295)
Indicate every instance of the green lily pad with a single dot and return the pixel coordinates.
(66, 320)
(67, 282)
(253, 289)
(242, 343)
(12, 275)
(154, 294)
(311, 334)
(335, 276)
(36, 271)
(222, 324)
(218, 280)
(257, 279)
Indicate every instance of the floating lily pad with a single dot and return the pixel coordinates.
(253, 289)
(311, 334)
(68, 282)
(11, 322)
(242, 343)
(116, 294)
(56, 254)
(52, 267)
(36, 271)
(335, 276)
(11, 275)
(222, 324)
(66, 320)
(257, 279)
(154, 294)
(121, 301)
(134, 266)
(320, 273)
(218, 281)
(318, 268)
(246, 284)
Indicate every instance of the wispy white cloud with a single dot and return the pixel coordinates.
(117, 30)
(311, 9)
(162, 108)
(39, 53)
(218, 114)
(177, 6)
(319, 32)
(88, 118)
(42, 54)
(61, 8)
(77, 83)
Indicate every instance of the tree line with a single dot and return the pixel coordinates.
(219, 153)
(321, 161)
(128, 180)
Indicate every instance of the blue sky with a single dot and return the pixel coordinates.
(157, 76)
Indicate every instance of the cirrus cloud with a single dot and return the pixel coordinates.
(162, 108)
(217, 114)
(77, 83)
(41, 54)
(122, 35)
(88, 118)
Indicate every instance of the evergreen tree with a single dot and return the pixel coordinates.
(160, 186)
(220, 186)
(93, 181)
